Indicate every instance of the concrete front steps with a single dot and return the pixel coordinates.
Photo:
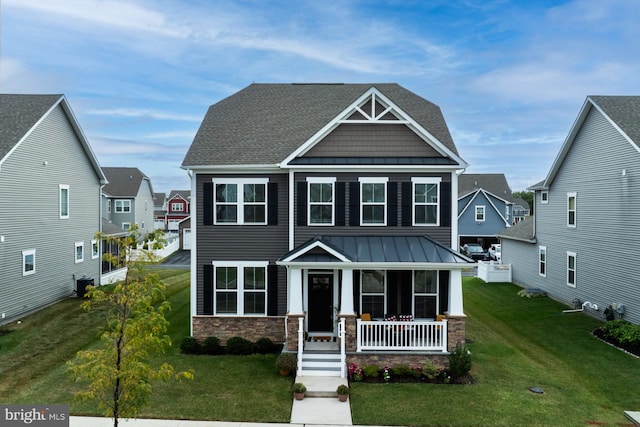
(320, 364)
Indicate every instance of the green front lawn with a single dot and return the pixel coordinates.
(518, 343)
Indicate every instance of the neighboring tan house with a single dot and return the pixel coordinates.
(49, 204)
(177, 208)
(128, 199)
(485, 208)
(160, 211)
(576, 246)
(318, 204)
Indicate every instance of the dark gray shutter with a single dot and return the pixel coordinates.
(272, 209)
(302, 203)
(207, 203)
(354, 204)
(406, 204)
(445, 204)
(341, 204)
(392, 204)
(207, 294)
(272, 290)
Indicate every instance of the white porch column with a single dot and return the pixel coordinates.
(294, 290)
(346, 296)
(455, 293)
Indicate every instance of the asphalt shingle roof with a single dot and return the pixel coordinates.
(624, 110)
(522, 231)
(123, 182)
(494, 183)
(264, 123)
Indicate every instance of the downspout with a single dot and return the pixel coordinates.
(194, 249)
(586, 303)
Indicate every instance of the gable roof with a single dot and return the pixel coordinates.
(263, 124)
(159, 198)
(523, 231)
(19, 115)
(494, 183)
(621, 111)
(124, 182)
(183, 194)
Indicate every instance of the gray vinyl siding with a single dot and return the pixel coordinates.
(304, 233)
(29, 217)
(143, 207)
(494, 218)
(523, 258)
(352, 140)
(608, 220)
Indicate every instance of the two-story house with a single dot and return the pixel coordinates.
(327, 212)
(576, 246)
(485, 207)
(160, 211)
(178, 208)
(49, 204)
(128, 198)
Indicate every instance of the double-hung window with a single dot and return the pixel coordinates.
(571, 209)
(542, 261)
(123, 206)
(63, 191)
(79, 252)
(28, 262)
(321, 201)
(373, 201)
(177, 207)
(95, 249)
(571, 269)
(240, 289)
(425, 294)
(372, 291)
(544, 197)
(426, 201)
(241, 201)
(480, 213)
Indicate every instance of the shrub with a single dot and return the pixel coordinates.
(402, 371)
(459, 361)
(343, 389)
(371, 371)
(190, 345)
(287, 362)
(239, 346)
(429, 370)
(622, 331)
(265, 346)
(212, 346)
(298, 388)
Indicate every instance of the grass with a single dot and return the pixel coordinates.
(518, 343)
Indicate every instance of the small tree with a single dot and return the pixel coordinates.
(118, 374)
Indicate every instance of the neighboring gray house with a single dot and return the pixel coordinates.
(128, 199)
(485, 205)
(49, 204)
(577, 245)
(520, 210)
(319, 207)
(160, 210)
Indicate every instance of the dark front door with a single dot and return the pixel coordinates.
(320, 303)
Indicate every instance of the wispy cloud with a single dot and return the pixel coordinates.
(144, 113)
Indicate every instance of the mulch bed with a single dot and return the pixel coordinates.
(631, 349)
(442, 378)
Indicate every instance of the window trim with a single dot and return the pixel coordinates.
(177, 207)
(484, 213)
(384, 288)
(321, 180)
(425, 180)
(544, 197)
(572, 195)
(570, 270)
(125, 206)
(126, 226)
(78, 245)
(542, 250)
(240, 203)
(376, 180)
(415, 294)
(61, 189)
(240, 290)
(25, 254)
(95, 249)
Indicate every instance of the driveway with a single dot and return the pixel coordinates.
(178, 259)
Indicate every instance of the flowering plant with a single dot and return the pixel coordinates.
(386, 373)
(355, 372)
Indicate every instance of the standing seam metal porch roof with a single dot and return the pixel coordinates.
(380, 249)
(264, 123)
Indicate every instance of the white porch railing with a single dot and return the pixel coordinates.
(414, 335)
(343, 353)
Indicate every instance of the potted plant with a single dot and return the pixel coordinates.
(343, 392)
(298, 390)
(286, 363)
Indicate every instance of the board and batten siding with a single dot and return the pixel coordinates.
(29, 217)
(243, 242)
(607, 220)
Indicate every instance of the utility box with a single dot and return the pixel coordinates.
(81, 286)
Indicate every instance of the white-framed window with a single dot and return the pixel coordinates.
(372, 292)
(95, 249)
(177, 207)
(63, 191)
(109, 206)
(425, 294)
(123, 205)
(544, 197)
(28, 262)
(542, 261)
(79, 252)
(373, 201)
(240, 201)
(571, 269)
(240, 288)
(426, 201)
(126, 226)
(572, 199)
(321, 200)
(480, 213)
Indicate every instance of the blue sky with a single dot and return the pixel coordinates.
(510, 76)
